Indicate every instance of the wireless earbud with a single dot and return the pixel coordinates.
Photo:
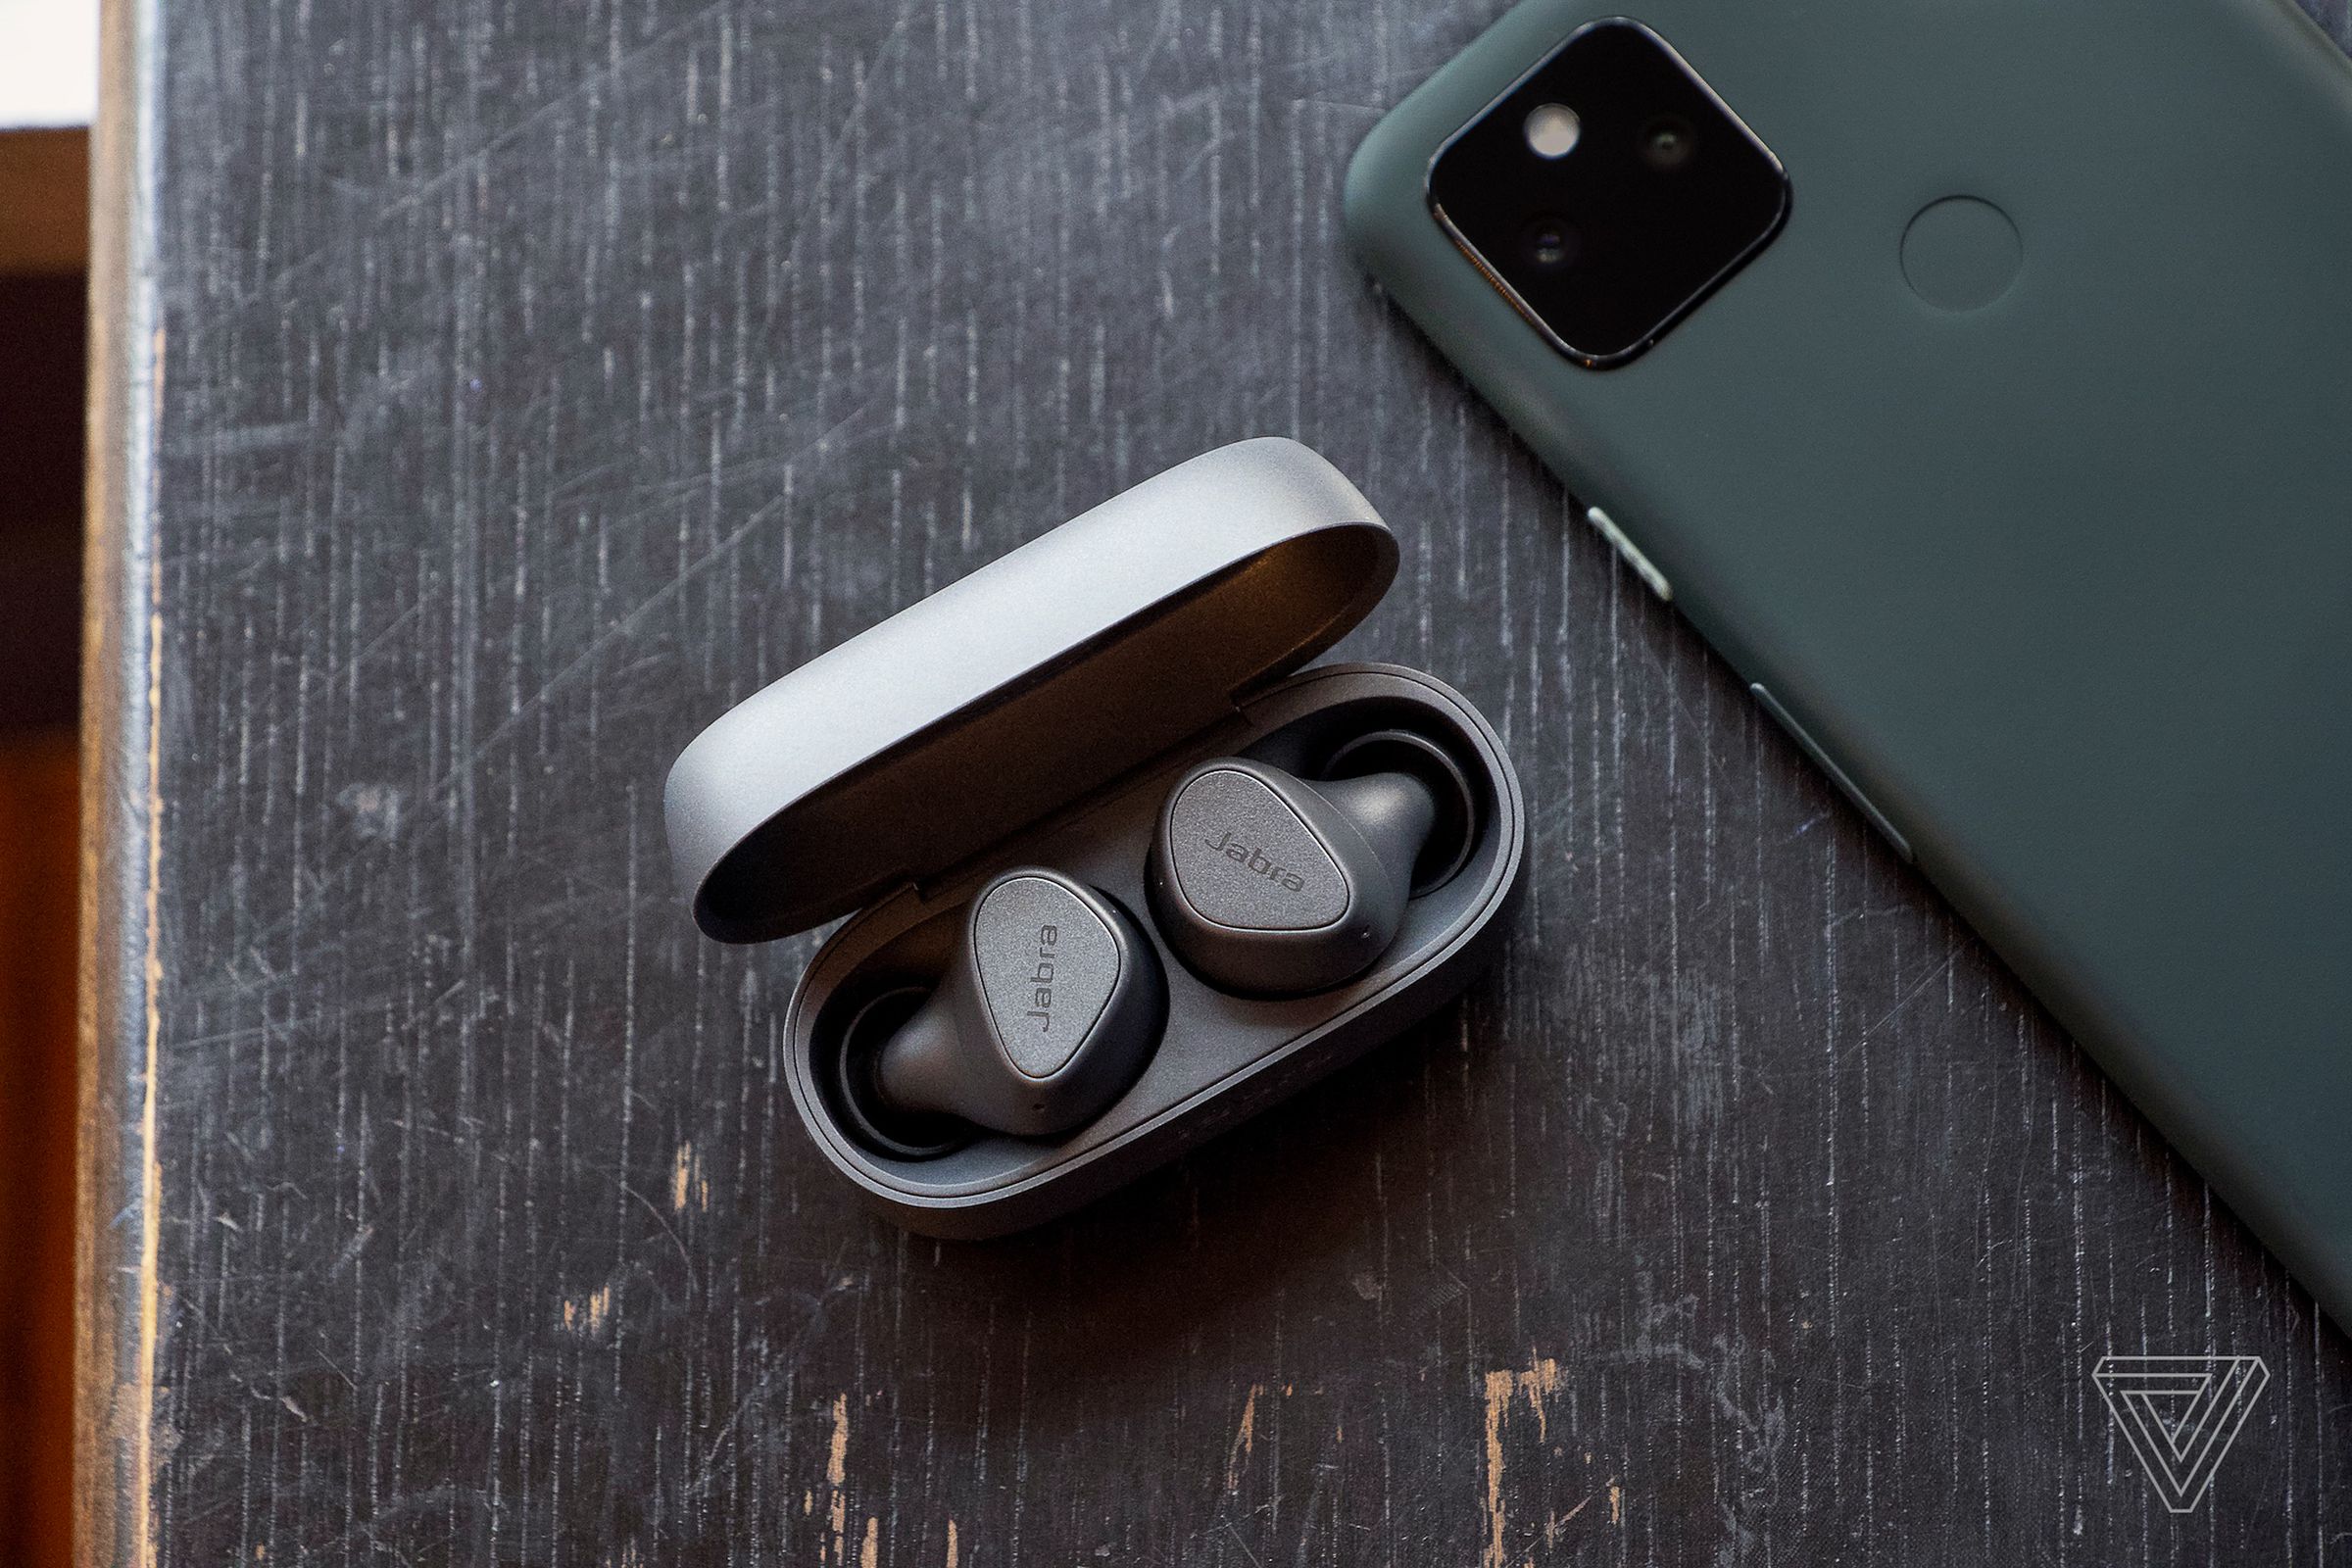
(1052, 1004)
(1269, 885)
(1053, 998)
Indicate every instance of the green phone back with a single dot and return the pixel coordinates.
(2062, 582)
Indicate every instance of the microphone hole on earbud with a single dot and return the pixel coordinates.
(1404, 751)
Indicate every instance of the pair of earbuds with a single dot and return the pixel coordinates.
(1264, 883)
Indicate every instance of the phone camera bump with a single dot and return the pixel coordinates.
(1607, 222)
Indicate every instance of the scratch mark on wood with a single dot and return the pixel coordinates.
(837, 1472)
(1557, 1524)
(1245, 1439)
(589, 1317)
(1535, 1385)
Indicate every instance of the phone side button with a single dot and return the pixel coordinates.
(1644, 567)
(1846, 786)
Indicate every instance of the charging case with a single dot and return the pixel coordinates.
(1037, 714)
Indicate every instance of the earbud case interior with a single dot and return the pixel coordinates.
(1036, 712)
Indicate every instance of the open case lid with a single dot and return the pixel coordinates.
(1044, 674)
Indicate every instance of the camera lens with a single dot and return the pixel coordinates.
(1668, 141)
(1552, 131)
(1552, 242)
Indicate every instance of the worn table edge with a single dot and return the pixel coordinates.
(117, 1199)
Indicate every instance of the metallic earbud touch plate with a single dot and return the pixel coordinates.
(1247, 861)
(1048, 968)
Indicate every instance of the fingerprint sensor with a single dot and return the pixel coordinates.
(1961, 254)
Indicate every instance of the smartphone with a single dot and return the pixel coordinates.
(1978, 380)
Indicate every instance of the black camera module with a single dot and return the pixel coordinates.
(1670, 193)
(1552, 242)
(1668, 141)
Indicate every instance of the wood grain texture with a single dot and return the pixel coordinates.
(525, 384)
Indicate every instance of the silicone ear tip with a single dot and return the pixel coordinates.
(1403, 751)
(858, 1099)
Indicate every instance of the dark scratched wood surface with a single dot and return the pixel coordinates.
(493, 391)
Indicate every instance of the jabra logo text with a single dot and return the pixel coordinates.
(1041, 979)
(1257, 860)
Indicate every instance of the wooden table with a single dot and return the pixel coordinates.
(490, 393)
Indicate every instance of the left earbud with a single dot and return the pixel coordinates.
(1050, 1008)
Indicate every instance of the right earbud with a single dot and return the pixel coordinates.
(1269, 885)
